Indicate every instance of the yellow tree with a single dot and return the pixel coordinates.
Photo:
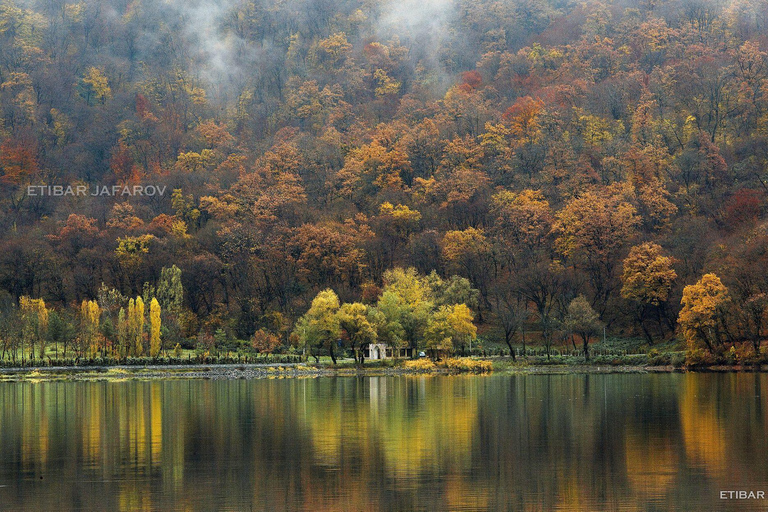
(449, 326)
(131, 252)
(154, 328)
(592, 230)
(647, 280)
(461, 321)
(90, 315)
(130, 327)
(95, 85)
(438, 335)
(136, 326)
(371, 168)
(702, 318)
(139, 325)
(331, 52)
(34, 317)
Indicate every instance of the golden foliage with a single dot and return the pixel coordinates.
(154, 328)
(467, 364)
(703, 308)
(648, 275)
(420, 365)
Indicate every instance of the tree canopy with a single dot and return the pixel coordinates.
(537, 151)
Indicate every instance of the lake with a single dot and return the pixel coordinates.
(499, 442)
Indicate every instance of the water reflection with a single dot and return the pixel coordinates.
(630, 442)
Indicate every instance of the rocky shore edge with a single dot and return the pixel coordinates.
(272, 371)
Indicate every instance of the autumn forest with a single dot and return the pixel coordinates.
(430, 175)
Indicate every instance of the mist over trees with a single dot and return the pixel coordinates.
(578, 163)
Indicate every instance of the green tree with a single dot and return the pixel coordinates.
(385, 318)
(319, 327)
(170, 295)
(61, 331)
(406, 301)
(354, 320)
(438, 335)
(123, 334)
(453, 290)
(170, 291)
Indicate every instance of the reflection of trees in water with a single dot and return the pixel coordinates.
(600, 442)
(724, 426)
(500, 442)
(389, 435)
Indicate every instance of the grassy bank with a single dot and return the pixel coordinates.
(611, 355)
(188, 359)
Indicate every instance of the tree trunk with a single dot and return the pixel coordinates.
(659, 321)
(647, 333)
(586, 346)
(508, 339)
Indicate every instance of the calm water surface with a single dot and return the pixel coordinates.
(572, 442)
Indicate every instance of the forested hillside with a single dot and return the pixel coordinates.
(579, 163)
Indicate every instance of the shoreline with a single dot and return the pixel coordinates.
(298, 370)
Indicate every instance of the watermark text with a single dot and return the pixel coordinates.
(742, 495)
(95, 191)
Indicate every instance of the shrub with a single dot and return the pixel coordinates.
(465, 364)
(264, 342)
(745, 354)
(420, 365)
(656, 358)
(699, 357)
(678, 359)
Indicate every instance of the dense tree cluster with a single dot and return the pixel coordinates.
(578, 163)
